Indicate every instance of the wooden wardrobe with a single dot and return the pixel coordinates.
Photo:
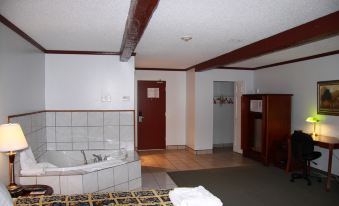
(265, 126)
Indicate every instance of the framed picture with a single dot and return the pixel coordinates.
(328, 97)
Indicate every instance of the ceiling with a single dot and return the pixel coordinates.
(216, 26)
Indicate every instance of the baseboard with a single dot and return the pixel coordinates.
(176, 147)
(223, 145)
(198, 152)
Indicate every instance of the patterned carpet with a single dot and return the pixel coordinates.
(144, 197)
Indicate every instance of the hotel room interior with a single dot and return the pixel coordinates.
(169, 102)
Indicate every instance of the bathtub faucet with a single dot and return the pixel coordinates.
(83, 154)
(97, 158)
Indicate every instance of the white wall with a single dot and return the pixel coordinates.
(80, 82)
(204, 101)
(21, 81)
(175, 102)
(300, 79)
(190, 108)
(223, 114)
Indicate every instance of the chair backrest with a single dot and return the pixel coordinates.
(302, 144)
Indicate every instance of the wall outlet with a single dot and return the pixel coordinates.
(125, 98)
(106, 98)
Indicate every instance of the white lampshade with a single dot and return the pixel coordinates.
(12, 138)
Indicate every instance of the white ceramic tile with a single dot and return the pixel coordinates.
(95, 133)
(96, 145)
(128, 145)
(111, 145)
(51, 146)
(63, 134)
(111, 118)
(79, 119)
(95, 119)
(169, 186)
(27, 180)
(71, 184)
(105, 178)
(79, 134)
(111, 133)
(63, 146)
(111, 189)
(25, 123)
(134, 170)
(90, 182)
(121, 187)
(37, 121)
(120, 174)
(134, 184)
(126, 133)
(52, 181)
(63, 119)
(163, 179)
(80, 145)
(50, 119)
(126, 118)
(148, 181)
(50, 134)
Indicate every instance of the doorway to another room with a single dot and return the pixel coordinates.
(223, 114)
(151, 115)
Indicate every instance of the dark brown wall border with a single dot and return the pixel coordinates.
(14, 28)
(315, 30)
(81, 52)
(160, 69)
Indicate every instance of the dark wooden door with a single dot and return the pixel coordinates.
(151, 115)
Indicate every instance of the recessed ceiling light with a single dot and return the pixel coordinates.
(186, 38)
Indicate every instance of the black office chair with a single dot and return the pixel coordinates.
(303, 150)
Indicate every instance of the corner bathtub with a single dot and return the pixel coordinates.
(120, 172)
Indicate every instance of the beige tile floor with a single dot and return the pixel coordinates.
(155, 164)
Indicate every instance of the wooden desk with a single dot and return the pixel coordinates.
(330, 143)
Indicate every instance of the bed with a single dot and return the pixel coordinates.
(143, 197)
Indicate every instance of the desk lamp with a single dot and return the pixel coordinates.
(313, 120)
(12, 139)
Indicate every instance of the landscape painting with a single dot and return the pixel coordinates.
(328, 97)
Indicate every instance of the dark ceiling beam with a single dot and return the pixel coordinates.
(236, 68)
(315, 30)
(21, 33)
(299, 59)
(140, 13)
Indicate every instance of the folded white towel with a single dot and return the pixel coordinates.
(197, 196)
(27, 159)
(35, 171)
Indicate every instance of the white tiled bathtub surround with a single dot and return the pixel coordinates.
(78, 130)
(121, 177)
(90, 130)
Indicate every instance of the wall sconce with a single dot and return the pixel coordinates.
(313, 120)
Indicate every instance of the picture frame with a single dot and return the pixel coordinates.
(328, 97)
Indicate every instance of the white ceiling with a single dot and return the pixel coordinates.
(318, 47)
(217, 26)
(88, 25)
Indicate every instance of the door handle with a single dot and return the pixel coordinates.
(140, 117)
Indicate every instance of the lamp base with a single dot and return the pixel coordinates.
(15, 190)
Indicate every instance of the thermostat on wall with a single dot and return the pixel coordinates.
(125, 98)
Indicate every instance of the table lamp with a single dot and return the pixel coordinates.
(313, 120)
(12, 139)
